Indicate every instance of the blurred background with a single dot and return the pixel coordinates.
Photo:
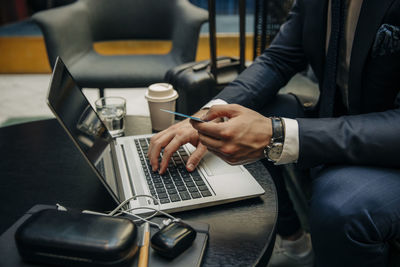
(25, 69)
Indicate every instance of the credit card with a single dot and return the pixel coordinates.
(182, 115)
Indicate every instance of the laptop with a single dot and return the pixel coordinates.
(124, 169)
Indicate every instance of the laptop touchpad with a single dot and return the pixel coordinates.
(213, 165)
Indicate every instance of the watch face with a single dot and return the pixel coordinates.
(274, 153)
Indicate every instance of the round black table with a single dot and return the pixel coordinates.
(40, 165)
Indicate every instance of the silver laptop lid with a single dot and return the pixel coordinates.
(74, 112)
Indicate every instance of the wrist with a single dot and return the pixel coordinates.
(269, 132)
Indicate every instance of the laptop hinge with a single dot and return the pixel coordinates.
(117, 173)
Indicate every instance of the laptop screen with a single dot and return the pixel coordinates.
(74, 111)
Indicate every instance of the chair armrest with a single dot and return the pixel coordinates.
(187, 25)
(66, 32)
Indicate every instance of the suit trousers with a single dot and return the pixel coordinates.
(354, 210)
(354, 215)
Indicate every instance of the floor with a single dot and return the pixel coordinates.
(24, 96)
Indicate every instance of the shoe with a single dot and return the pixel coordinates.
(284, 253)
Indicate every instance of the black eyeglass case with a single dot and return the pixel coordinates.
(76, 239)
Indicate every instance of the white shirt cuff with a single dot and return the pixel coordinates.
(214, 102)
(290, 152)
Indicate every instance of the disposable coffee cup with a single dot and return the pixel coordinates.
(161, 96)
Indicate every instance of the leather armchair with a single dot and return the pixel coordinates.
(70, 32)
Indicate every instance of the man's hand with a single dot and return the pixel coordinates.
(171, 139)
(239, 140)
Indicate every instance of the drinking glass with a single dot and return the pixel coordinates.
(112, 111)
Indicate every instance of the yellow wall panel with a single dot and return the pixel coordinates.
(23, 55)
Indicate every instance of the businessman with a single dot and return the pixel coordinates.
(350, 141)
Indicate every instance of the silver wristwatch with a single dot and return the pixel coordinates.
(274, 150)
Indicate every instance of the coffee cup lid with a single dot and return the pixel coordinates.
(161, 92)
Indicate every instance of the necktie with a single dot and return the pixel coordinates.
(329, 84)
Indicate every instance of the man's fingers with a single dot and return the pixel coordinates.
(169, 150)
(156, 145)
(219, 111)
(195, 157)
(218, 130)
(209, 128)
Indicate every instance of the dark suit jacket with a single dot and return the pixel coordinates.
(370, 133)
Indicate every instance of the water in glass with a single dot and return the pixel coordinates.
(113, 118)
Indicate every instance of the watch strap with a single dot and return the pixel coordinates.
(278, 136)
(278, 132)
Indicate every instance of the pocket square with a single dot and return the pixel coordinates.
(387, 40)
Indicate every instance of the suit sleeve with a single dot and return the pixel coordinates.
(261, 81)
(367, 139)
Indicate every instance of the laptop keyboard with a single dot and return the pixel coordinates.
(176, 184)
